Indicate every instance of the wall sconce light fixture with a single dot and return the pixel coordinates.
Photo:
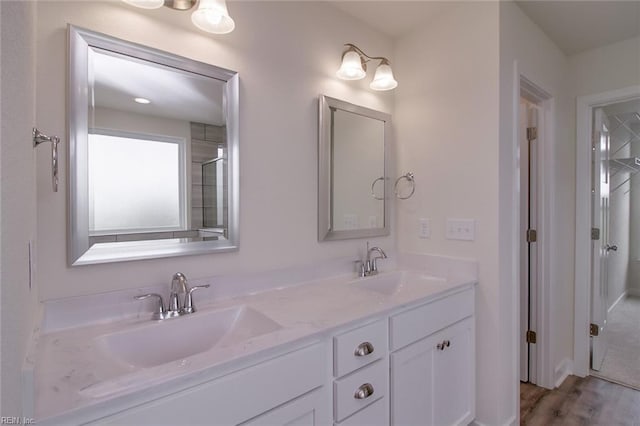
(354, 67)
(211, 16)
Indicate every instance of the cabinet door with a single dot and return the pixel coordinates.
(311, 409)
(432, 382)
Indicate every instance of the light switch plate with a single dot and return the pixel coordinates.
(424, 228)
(461, 229)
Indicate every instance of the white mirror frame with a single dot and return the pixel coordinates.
(78, 250)
(325, 226)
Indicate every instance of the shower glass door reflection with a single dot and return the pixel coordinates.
(214, 201)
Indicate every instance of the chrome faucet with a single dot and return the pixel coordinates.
(176, 306)
(178, 287)
(370, 267)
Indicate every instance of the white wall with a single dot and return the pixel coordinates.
(18, 192)
(447, 131)
(286, 54)
(523, 46)
(107, 118)
(608, 68)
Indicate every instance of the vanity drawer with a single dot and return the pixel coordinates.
(356, 391)
(377, 414)
(359, 347)
(422, 321)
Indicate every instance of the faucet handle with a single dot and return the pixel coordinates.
(160, 312)
(189, 308)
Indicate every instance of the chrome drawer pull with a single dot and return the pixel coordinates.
(364, 391)
(442, 346)
(364, 349)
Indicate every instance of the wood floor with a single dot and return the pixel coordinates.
(580, 401)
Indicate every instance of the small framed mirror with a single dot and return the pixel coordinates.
(153, 153)
(353, 184)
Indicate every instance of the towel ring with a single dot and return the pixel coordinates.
(410, 178)
(373, 193)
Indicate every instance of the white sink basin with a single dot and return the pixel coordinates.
(393, 282)
(157, 343)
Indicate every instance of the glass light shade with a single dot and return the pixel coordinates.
(146, 4)
(212, 16)
(351, 67)
(383, 78)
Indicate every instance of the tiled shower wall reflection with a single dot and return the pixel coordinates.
(206, 204)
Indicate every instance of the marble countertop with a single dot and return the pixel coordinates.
(75, 374)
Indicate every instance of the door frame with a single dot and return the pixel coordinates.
(544, 374)
(582, 274)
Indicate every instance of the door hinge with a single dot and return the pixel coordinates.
(531, 336)
(594, 329)
(532, 133)
(595, 233)
(532, 235)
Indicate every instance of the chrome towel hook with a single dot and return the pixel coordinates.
(410, 178)
(38, 138)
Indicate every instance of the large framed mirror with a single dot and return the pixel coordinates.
(153, 153)
(353, 161)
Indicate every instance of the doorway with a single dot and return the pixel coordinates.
(610, 250)
(615, 307)
(528, 138)
(535, 110)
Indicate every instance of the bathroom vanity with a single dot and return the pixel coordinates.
(331, 346)
(394, 348)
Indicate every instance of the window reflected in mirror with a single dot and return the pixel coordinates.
(145, 190)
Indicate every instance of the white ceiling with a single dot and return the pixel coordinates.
(574, 25)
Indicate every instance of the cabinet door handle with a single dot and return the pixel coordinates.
(364, 349)
(364, 391)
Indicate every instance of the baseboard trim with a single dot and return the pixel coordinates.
(633, 292)
(614, 304)
(563, 370)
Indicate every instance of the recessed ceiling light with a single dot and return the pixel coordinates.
(142, 101)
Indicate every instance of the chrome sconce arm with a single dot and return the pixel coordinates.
(39, 138)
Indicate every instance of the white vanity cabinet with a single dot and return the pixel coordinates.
(412, 365)
(432, 372)
(287, 390)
